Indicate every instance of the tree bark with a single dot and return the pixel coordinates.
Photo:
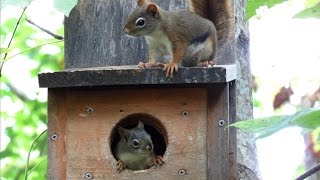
(247, 155)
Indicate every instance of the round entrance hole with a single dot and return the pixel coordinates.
(152, 125)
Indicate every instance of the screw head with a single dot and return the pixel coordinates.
(90, 110)
(182, 172)
(54, 136)
(222, 123)
(184, 114)
(88, 175)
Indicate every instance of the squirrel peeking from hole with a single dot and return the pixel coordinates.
(135, 149)
(182, 37)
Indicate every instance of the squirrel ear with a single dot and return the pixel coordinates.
(140, 125)
(124, 133)
(153, 10)
(141, 2)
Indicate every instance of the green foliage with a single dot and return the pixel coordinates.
(311, 9)
(28, 115)
(253, 5)
(313, 12)
(65, 6)
(5, 50)
(27, 172)
(21, 3)
(263, 127)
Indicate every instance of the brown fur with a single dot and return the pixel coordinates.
(221, 13)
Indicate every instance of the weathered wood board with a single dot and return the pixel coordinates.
(85, 136)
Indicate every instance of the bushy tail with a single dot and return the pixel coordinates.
(221, 13)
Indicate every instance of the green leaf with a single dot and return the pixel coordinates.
(307, 118)
(21, 3)
(263, 127)
(311, 3)
(253, 5)
(257, 125)
(65, 6)
(312, 12)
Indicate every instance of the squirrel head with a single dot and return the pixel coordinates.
(144, 20)
(137, 140)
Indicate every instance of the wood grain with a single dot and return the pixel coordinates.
(88, 148)
(218, 136)
(57, 120)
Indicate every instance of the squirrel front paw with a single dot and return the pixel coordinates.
(158, 160)
(170, 68)
(121, 165)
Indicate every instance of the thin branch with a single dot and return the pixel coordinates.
(35, 166)
(14, 32)
(53, 42)
(309, 172)
(21, 95)
(45, 30)
(28, 158)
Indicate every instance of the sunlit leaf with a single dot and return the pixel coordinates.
(257, 125)
(65, 6)
(312, 12)
(263, 127)
(253, 5)
(307, 118)
(311, 3)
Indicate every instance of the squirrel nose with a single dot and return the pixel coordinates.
(126, 30)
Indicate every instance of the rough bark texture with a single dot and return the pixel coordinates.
(247, 161)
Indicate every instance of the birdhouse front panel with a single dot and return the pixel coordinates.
(86, 120)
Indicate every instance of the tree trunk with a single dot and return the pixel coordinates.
(247, 155)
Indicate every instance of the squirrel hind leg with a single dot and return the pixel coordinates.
(201, 53)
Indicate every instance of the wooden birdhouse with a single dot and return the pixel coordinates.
(186, 115)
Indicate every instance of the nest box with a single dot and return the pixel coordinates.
(186, 115)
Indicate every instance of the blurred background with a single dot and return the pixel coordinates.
(285, 63)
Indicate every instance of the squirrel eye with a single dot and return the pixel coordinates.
(135, 143)
(140, 22)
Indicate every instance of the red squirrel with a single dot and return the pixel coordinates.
(180, 37)
(135, 149)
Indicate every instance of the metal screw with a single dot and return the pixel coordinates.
(88, 175)
(54, 136)
(222, 123)
(90, 110)
(182, 172)
(184, 114)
